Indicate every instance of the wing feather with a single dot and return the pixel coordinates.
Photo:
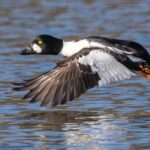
(74, 76)
(109, 68)
(64, 83)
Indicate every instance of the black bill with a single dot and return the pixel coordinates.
(27, 51)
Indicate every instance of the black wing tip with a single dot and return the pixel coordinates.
(25, 96)
(42, 105)
(17, 88)
(31, 101)
(17, 83)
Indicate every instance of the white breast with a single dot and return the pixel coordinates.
(70, 48)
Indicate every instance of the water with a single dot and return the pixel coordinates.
(116, 117)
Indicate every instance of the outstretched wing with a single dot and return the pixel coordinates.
(75, 75)
(68, 80)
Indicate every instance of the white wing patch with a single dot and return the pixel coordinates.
(114, 49)
(108, 68)
(96, 44)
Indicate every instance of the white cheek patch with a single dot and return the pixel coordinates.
(36, 48)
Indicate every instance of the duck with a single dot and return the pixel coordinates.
(89, 62)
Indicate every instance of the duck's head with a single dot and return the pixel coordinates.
(44, 44)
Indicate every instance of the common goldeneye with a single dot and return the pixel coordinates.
(92, 61)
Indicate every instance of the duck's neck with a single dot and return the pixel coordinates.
(71, 47)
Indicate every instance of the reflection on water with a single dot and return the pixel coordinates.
(75, 130)
(115, 117)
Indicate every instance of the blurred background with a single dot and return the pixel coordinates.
(116, 117)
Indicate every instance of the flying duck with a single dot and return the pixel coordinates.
(91, 61)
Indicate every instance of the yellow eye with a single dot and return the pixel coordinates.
(40, 42)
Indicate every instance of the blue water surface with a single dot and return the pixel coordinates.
(115, 117)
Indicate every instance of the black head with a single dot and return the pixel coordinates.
(44, 44)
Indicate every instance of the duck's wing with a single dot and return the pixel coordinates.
(121, 46)
(76, 74)
(68, 80)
